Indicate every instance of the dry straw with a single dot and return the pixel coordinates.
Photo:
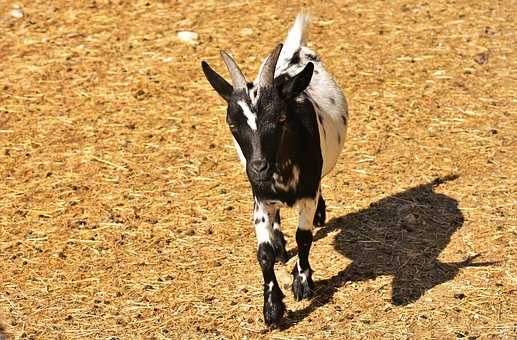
(124, 212)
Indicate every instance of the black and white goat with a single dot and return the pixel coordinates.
(289, 128)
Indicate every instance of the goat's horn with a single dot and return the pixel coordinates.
(238, 80)
(268, 70)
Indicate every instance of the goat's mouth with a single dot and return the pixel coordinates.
(263, 180)
(260, 178)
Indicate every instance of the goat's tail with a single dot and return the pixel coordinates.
(296, 36)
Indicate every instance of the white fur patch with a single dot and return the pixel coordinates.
(263, 216)
(251, 118)
(263, 232)
(306, 210)
(303, 274)
(332, 107)
(329, 103)
(300, 272)
(270, 286)
(276, 226)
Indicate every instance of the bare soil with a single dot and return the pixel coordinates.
(124, 211)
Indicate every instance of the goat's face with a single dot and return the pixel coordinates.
(258, 115)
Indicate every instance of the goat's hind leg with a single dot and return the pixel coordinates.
(320, 215)
(303, 286)
(279, 240)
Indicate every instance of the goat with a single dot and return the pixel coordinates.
(289, 127)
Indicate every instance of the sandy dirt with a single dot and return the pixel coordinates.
(124, 212)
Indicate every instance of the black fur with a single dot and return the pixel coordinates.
(295, 140)
(312, 57)
(274, 307)
(279, 242)
(320, 215)
(286, 136)
(303, 288)
(296, 58)
(222, 87)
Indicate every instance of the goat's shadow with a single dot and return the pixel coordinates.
(401, 235)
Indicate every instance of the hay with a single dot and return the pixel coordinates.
(124, 210)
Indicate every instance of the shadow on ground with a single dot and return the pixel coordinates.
(401, 235)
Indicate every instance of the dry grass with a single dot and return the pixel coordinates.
(124, 212)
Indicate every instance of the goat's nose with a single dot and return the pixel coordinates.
(259, 165)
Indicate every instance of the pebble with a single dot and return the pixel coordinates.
(246, 32)
(17, 12)
(188, 37)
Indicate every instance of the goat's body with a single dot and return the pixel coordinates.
(289, 128)
(327, 98)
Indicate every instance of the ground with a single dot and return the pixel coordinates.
(124, 211)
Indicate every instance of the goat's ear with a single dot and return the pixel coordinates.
(295, 85)
(222, 87)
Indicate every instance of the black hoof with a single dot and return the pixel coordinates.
(320, 215)
(303, 286)
(279, 245)
(274, 307)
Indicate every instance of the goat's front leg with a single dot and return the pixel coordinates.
(264, 218)
(303, 286)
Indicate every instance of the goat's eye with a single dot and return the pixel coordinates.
(282, 118)
(232, 126)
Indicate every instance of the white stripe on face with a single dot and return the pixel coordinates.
(250, 116)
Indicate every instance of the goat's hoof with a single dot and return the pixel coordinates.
(274, 307)
(303, 286)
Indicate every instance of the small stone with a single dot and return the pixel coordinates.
(246, 32)
(410, 219)
(188, 36)
(140, 95)
(17, 12)
(324, 23)
(459, 296)
(481, 58)
(189, 232)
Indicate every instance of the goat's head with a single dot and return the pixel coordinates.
(258, 114)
